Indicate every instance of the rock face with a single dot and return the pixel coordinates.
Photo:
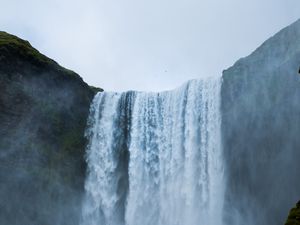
(261, 128)
(43, 112)
(294, 216)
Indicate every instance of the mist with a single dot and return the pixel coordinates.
(42, 169)
(260, 132)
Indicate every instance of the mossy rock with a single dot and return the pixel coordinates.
(14, 45)
(294, 216)
(21, 52)
(43, 113)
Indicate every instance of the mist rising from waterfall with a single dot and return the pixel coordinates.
(155, 158)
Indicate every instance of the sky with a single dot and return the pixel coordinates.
(148, 45)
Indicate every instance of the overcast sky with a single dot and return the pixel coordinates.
(146, 44)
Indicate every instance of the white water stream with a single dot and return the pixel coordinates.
(155, 158)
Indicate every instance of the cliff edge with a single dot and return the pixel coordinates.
(43, 112)
(260, 131)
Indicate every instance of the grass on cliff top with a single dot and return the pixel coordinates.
(22, 47)
(294, 216)
(14, 46)
(18, 46)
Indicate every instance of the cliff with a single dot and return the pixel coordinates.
(294, 216)
(43, 112)
(260, 131)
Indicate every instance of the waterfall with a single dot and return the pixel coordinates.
(155, 158)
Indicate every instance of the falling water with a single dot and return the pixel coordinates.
(155, 158)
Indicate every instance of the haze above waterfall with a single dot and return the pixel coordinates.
(146, 45)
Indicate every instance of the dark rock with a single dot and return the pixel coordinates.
(294, 216)
(260, 131)
(43, 112)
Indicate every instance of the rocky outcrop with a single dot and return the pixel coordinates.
(43, 112)
(294, 216)
(260, 131)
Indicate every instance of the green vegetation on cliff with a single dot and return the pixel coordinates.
(17, 54)
(294, 216)
(43, 113)
(13, 45)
